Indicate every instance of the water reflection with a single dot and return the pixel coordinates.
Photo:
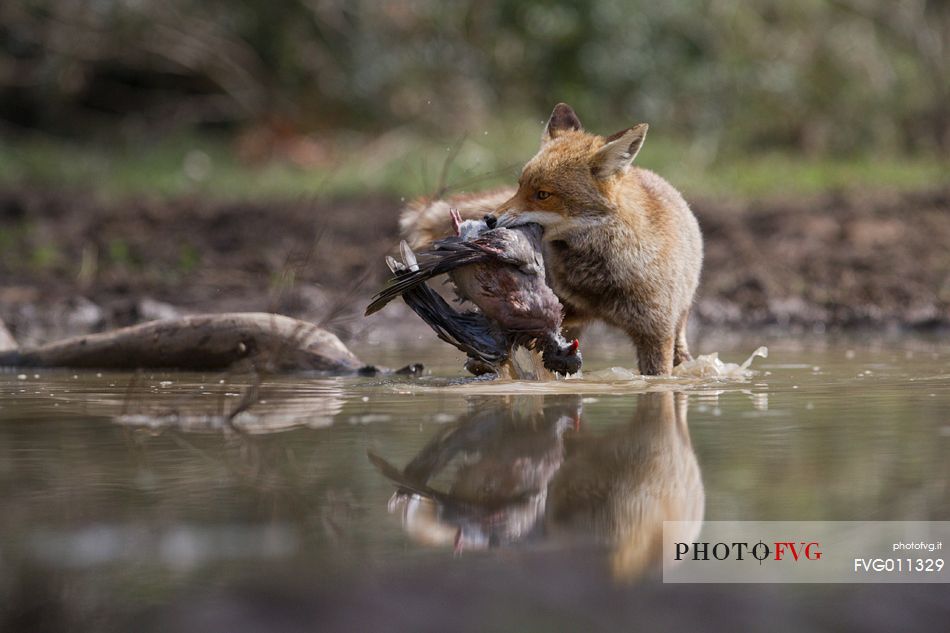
(505, 454)
(251, 410)
(527, 469)
(623, 484)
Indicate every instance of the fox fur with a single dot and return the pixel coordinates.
(620, 243)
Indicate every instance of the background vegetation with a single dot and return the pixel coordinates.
(349, 95)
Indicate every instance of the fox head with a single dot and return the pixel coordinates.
(575, 177)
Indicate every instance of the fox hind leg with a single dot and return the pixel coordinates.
(681, 349)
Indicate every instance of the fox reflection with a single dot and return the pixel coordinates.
(527, 471)
(622, 485)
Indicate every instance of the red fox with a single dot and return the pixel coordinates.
(620, 243)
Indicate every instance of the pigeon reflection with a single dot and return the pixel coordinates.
(524, 470)
(504, 453)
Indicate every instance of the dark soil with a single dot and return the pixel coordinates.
(70, 263)
(879, 260)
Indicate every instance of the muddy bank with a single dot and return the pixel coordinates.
(836, 261)
(72, 264)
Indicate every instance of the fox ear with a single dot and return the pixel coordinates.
(619, 151)
(563, 119)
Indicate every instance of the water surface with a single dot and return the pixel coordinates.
(121, 494)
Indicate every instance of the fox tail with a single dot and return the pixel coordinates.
(425, 220)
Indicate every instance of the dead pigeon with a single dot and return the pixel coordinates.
(501, 272)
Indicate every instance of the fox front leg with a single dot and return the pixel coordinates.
(654, 353)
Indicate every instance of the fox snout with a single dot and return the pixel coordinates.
(510, 215)
(507, 219)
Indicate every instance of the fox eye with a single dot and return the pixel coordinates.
(542, 195)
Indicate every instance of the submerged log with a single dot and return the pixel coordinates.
(206, 342)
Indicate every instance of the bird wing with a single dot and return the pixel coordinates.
(403, 482)
(509, 246)
(448, 257)
(470, 332)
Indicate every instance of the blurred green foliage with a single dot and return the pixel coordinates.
(409, 165)
(819, 76)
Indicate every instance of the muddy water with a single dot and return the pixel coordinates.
(121, 494)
